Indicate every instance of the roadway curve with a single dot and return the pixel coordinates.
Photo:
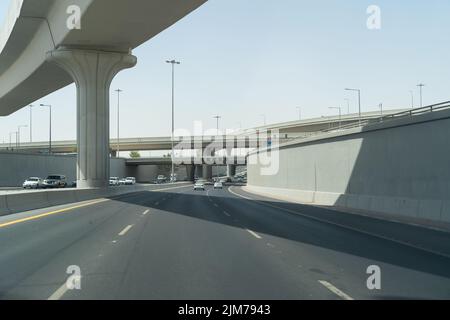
(181, 244)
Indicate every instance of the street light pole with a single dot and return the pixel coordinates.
(173, 62)
(421, 85)
(264, 117)
(18, 134)
(359, 101)
(50, 133)
(31, 123)
(299, 113)
(217, 119)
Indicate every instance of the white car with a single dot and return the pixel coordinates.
(218, 185)
(130, 180)
(114, 181)
(33, 183)
(199, 185)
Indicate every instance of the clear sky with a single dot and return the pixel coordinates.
(244, 58)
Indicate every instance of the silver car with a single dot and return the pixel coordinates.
(33, 183)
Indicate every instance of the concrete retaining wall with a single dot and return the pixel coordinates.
(16, 167)
(401, 167)
(14, 202)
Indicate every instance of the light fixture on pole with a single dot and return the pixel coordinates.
(50, 130)
(421, 85)
(119, 91)
(173, 63)
(359, 101)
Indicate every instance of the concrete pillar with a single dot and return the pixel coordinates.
(92, 72)
(207, 172)
(231, 170)
(199, 171)
(190, 172)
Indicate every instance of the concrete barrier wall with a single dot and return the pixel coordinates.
(16, 167)
(14, 202)
(401, 167)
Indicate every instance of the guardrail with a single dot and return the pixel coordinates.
(390, 117)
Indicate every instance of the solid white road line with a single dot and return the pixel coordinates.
(348, 227)
(57, 295)
(257, 236)
(239, 195)
(335, 290)
(145, 212)
(124, 231)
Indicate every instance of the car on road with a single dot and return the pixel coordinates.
(129, 181)
(114, 181)
(199, 185)
(161, 179)
(33, 183)
(55, 181)
(218, 185)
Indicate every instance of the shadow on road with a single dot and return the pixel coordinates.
(262, 217)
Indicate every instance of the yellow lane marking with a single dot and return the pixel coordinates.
(10, 223)
(6, 224)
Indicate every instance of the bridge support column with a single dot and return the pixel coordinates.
(207, 172)
(190, 172)
(92, 72)
(231, 170)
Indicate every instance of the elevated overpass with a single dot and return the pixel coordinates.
(41, 52)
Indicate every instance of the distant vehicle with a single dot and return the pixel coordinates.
(218, 185)
(173, 178)
(114, 181)
(199, 185)
(33, 183)
(55, 181)
(130, 181)
(161, 179)
(122, 181)
(74, 184)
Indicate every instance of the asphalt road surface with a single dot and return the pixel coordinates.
(219, 244)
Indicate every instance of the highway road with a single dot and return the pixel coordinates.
(219, 244)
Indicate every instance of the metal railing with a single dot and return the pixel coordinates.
(390, 117)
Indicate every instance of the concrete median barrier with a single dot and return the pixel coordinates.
(3, 206)
(25, 201)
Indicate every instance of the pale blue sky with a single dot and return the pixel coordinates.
(244, 58)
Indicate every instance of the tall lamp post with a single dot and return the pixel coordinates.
(31, 123)
(217, 120)
(299, 113)
(173, 62)
(359, 101)
(50, 129)
(421, 85)
(18, 134)
(118, 121)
